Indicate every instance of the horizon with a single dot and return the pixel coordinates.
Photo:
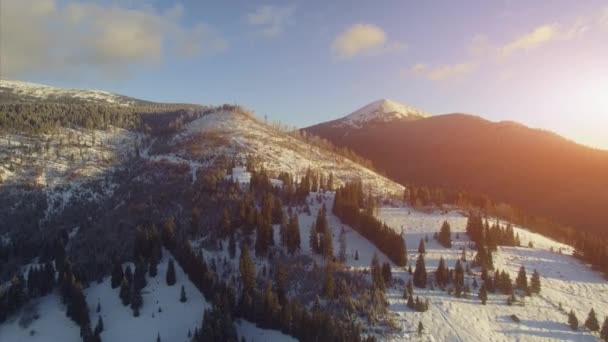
(543, 65)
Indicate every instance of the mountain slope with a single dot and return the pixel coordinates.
(19, 91)
(535, 170)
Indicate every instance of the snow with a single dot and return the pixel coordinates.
(565, 280)
(52, 324)
(252, 333)
(43, 92)
(381, 110)
(172, 323)
(239, 135)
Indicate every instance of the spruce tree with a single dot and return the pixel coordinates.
(604, 331)
(232, 246)
(117, 275)
(170, 277)
(420, 272)
(247, 270)
(182, 295)
(410, 302)
(572, 320)
(483, 294)
(522, 279)
(99, 326)
(420, 328)
(421, 247)
(592, 323)
(329, 284)
(125, 292)
(535, 282)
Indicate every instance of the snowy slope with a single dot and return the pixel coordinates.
(381, 111)
(235, 134)
(564, 279)
(27, 91)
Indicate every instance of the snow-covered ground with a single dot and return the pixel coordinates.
(252, 333)
(381, 111)
(43, 92)
(565, 281)
(235, 134)
(52, 324)
(162, 313)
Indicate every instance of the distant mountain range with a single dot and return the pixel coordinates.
(532, 169)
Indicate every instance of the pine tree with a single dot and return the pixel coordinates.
(171, 274)
(136, 302)
(420, 272)
(182, 295)
(342, 251)
(313, 242)
(247, 270)
(420, 328)
(441, 275)
(522, 279)
(483, 294)
(98, 309)
(117, 275)
(99, 326)
(535, 282)
(410, 287)
(232, 246)
(158, 337)
(357, 254)
(445, 235)
(421, 247)
(329, 284)
(125, 292)
(592, 323)
(410, 302)
(604, 331)
(377, 278)
(572, 320)
(387, 273)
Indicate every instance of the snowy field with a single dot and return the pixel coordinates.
(565, 281)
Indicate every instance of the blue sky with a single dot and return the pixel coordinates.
(542, 63)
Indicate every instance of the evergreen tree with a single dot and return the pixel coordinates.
(445, 235)
(441, 275)
(98, 327)
(410, 287)
(117, 274)
(314, 239)
(420, 272)
(182, 295)
(139, 278)
(483, 294)
(410, 302)
(592, 323)
(342, 251)
(293, 234)
(377, 278)
(329, 284)
(604, 331)
(420, 328)
(170, 277)
(421, 247)
(572, 320)
(522, 279)
(535, 282)
(136, 302)
(125, 292)
(158, 337)
(232, 246)
(387, 273)
(98, 309)
(356, 254)
(247, 270)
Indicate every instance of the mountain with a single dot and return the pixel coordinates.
(18, 91)
(380, 111)
(538, 171)
(191, 223)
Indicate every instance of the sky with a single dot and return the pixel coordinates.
(541, 63)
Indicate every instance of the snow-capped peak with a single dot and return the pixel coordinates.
(34, 91)
(384, 111)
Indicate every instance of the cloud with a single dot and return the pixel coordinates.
(39, 36)
(363, 39)
(271, 20)
(531, 40)
(441, 72)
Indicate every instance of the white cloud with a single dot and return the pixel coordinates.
(270, 20)
(363, 39)
(39, 36)
(531, 40)
(441, 72)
